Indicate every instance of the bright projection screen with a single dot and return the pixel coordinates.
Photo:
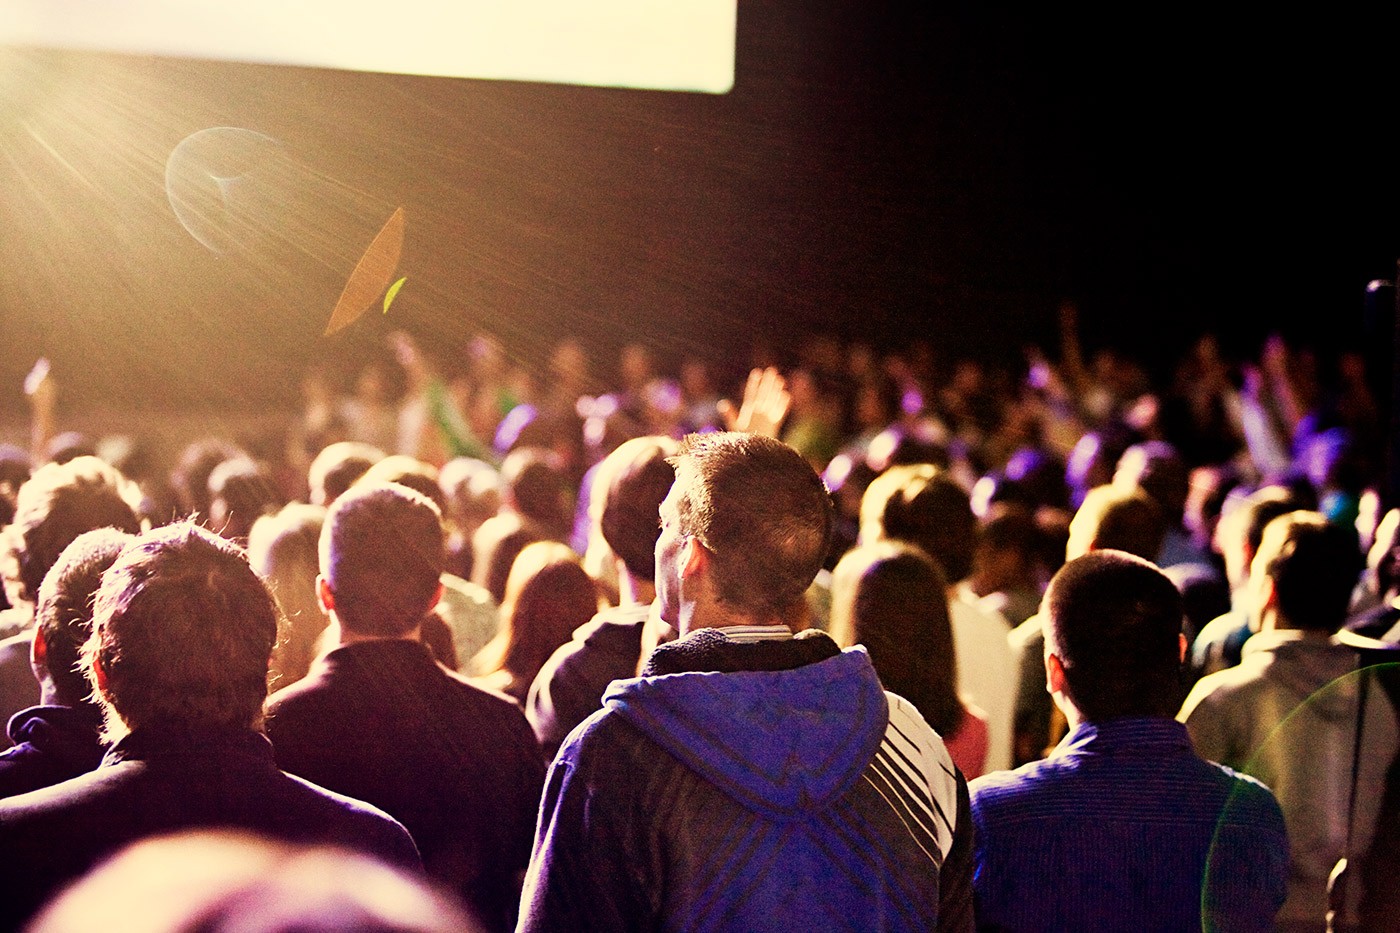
(674, 45)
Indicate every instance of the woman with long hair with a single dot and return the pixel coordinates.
(547, 596)
(891, 598)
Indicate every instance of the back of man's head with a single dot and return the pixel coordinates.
(636, 478)
(1260, 509)
(336, 468)
(1009, 527)
(762, 513)
(58, 503)
(382, 554)
(471, 489)
(240, 490)
(190, 478)
(921, 504)
(63, 615)
(1157, 469)
(418, 475)
(1312, 565)
(536, 488)
(1119, 519)
(282, 550)
(182, 631)
(1114, 621)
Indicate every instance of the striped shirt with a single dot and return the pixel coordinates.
(914, 773)
(1124, 827)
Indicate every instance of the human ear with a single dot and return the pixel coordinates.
(324, 595)
(39, 650)
(694, 557)
(1054, 675)
(99, 674)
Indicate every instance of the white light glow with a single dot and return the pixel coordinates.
(682, 45)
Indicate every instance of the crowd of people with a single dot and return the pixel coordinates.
(876, 641)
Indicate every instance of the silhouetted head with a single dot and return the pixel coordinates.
(382, 554)
(182, 631)
(1114, 622)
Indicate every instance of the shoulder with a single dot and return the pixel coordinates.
(466, 591)
(607, 638)
(16, 648)
(315, 798)
(351, 822)
(966, 612)
(908, 728)
(314, 692)
(613, 626)
(1028, 633)
(911, 744)
(484, 704)
(1223, 690)
(312, 683)
(24, 768)
(1005, 788)
(609, 642)
(614, 758)
(600, 737)
(13, 621)
(97, 792)
(1249, 800)
(1222, 627)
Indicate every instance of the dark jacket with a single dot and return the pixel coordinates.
(381, 721)
(52, 744)
(752, 786)
(569, 688)
(157, 781)
(19, 689)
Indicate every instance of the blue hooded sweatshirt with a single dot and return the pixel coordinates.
(724, 797)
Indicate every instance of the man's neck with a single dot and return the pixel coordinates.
(632, 591)
(721, 617)
(1274, 621)
(347, 637)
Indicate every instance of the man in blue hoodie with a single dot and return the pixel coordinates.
(754, 776)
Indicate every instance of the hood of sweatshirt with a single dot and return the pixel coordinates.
(778, 742)
(67, 734)
(1309, 669)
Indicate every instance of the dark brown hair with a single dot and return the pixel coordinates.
(1314, 565)
(893, 599)
(760, 510)
(547, 596)
(382, 552)
(637, 478)
(63, 614)
(183, 629)
(1114, 621)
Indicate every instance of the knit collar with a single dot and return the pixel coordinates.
(711, 649)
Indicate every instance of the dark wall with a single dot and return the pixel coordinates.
(949, 174)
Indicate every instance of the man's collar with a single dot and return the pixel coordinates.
(715, 650)
(151, 742)
(1133, 733)
(747, 634)
(1271, 638)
